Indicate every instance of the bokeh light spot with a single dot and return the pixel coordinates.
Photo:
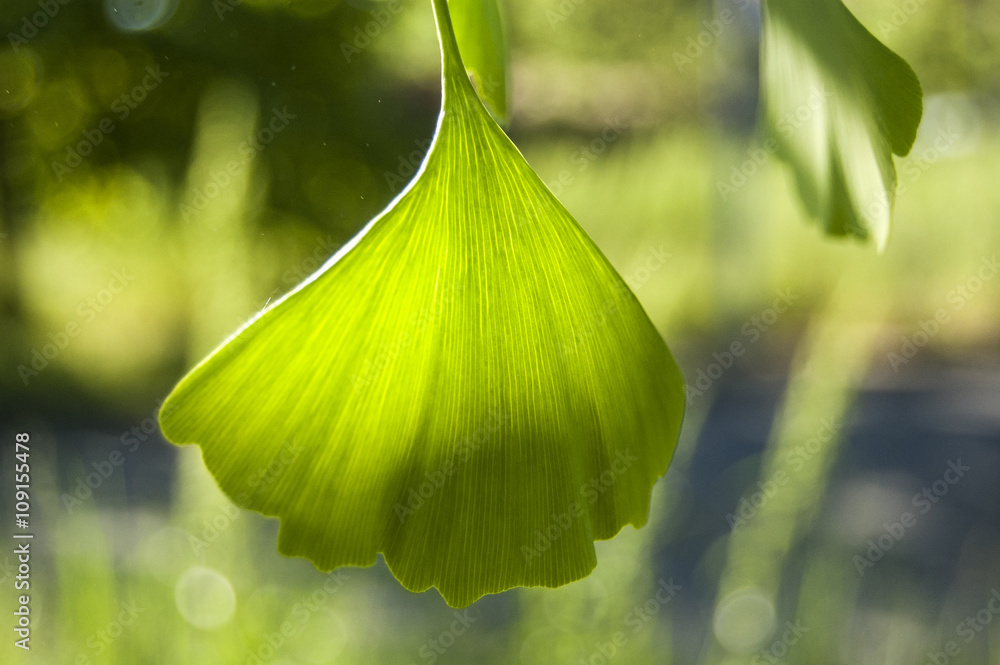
(138, 15)
(18, 80)
(743, 620)
(204, 598)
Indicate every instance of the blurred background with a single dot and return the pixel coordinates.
(169, 166)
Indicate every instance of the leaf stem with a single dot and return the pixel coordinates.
(452, 66)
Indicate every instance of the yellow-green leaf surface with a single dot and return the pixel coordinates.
(839, 104)
(482, 41)
(472, 389)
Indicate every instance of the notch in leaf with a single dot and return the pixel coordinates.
(839, 104)
(472, 390)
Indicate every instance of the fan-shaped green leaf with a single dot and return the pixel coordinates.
(839, 104)
(473, 390)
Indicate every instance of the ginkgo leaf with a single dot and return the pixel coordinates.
(482, 42)
(467, 387)
(839, 104)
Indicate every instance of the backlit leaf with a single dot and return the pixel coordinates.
(482, 42)
(839, 104)
(468, 387)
